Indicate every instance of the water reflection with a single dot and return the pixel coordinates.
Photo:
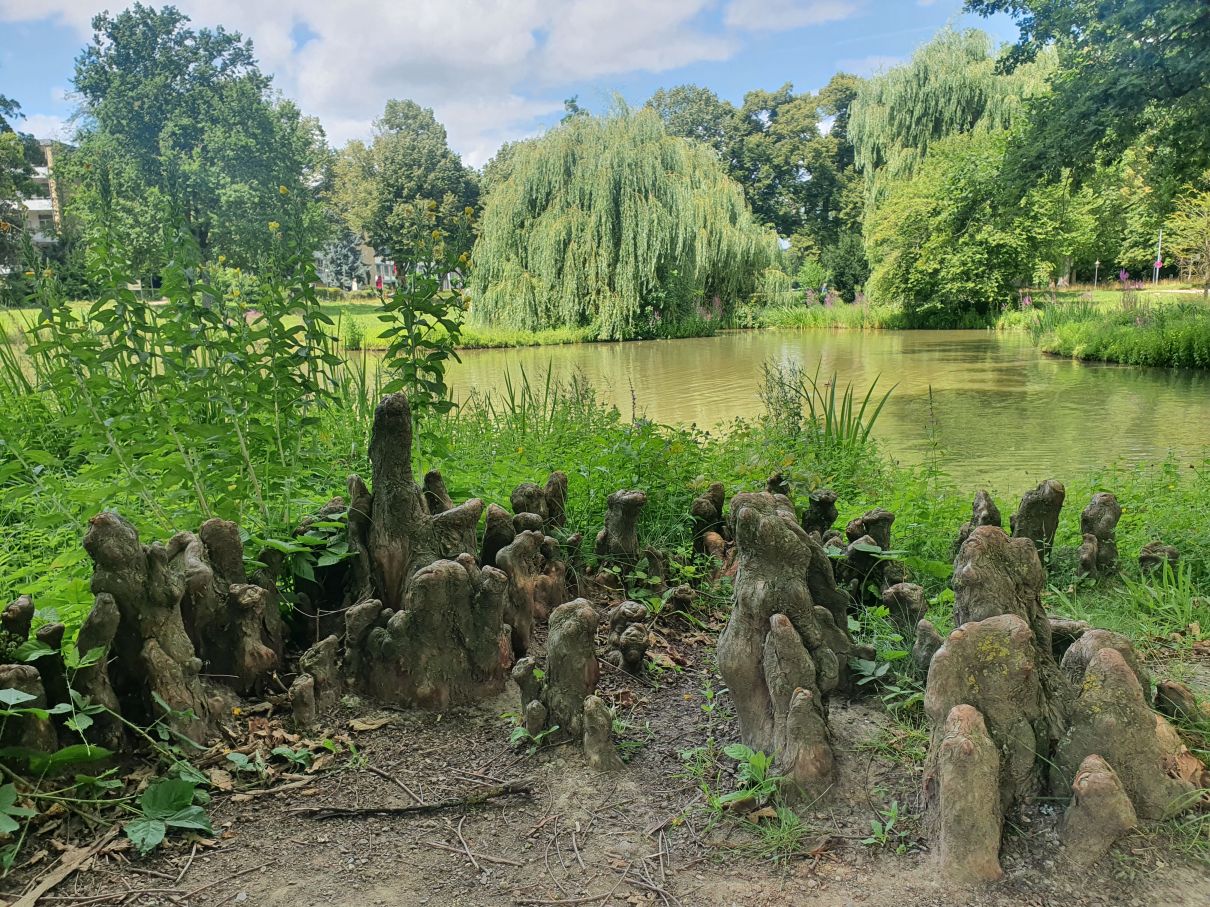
(1001, 414)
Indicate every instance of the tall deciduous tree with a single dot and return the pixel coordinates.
(697, 113)
(613, 223)
(180, 124)
(1188, 232)
(944, 242)
(796, 175)
(409, 160)
(950, 86)
(15, 183)
(1126, 68)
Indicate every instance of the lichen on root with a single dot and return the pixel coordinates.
(780, 653)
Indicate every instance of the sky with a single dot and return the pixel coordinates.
(496, 70)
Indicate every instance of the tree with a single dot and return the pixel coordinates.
(9, 110)
(408, 161)
(696, 113)
(499, 168)
(1124, 69)
(16, 169)
(950, 86)
(179, 123)
(572, 108)
(612, 223)
(794, 176)
(1188, 233)
(339, 261)
(945, 242)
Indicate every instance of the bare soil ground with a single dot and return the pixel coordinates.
(644, 836)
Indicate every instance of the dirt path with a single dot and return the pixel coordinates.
(642, 837)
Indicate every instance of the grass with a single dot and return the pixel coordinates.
(1176, 336)
(1166, 328)
(865, 316)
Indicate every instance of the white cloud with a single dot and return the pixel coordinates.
(868, 66)
(490, 69)
(592, 38)
(45, 126)
(783, 15)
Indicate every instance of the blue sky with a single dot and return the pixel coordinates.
(495, 70)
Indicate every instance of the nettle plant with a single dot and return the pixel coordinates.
(198, 403)
(425, 312)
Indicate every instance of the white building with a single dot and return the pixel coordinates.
(42, 208)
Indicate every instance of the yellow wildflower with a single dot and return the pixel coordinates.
(221, 259)
(436, 234)
(274, 226)
(283, 190)
(29, 273)
(468, 211)
(236, 710)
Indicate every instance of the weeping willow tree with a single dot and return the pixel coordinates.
(950, 86)
(614, 224)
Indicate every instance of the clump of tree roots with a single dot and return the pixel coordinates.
(428, 612)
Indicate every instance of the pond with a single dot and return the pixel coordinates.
(1003, 415)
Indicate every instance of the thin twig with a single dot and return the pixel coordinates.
(243, 872)
(407, 790)
(70, 862)
(466, 846)
(188, 863)
(487, 858)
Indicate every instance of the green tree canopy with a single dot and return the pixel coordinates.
(1189, 236)
(408, 161)
(697, 113)
(950, 86)
(1126, 68)
(613, 223)
(179, 126)
(795, 175)
(16, 170)
(943, 241)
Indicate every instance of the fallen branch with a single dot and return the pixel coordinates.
(475, 799)
(407, 790)
(486, 858)
(70, 862)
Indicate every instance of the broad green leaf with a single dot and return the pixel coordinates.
(146, 834)
(165, 797)
(193, 817)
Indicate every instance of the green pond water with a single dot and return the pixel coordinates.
(1004, 416)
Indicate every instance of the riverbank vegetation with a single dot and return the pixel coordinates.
(940, 188)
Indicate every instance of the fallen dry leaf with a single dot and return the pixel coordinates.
(368, 724)
(767, 812)
(220, 779)
(321, 762)
(1188, 767)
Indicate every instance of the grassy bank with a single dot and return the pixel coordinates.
(1174, 336)
(1135, 327)
(864, 316)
